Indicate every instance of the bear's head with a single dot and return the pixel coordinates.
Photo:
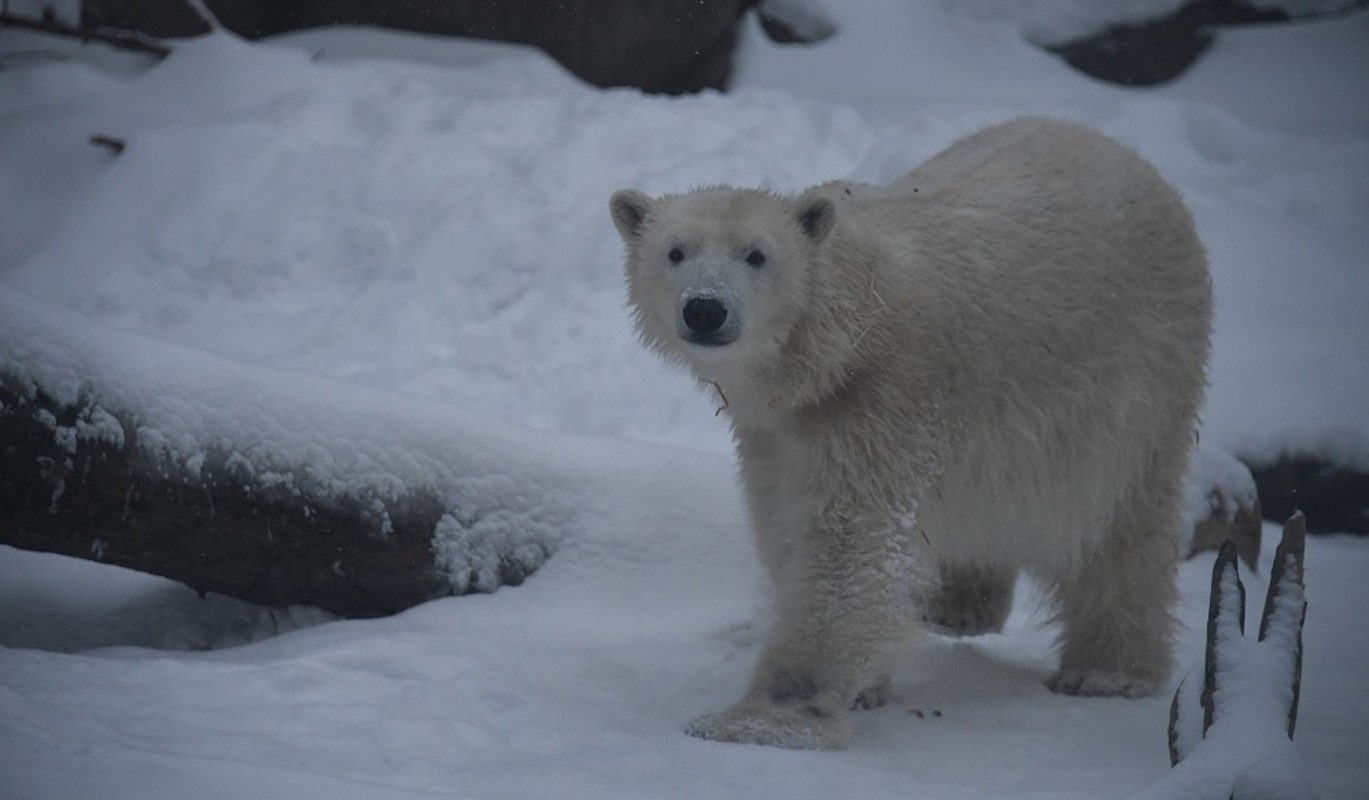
(719, 276)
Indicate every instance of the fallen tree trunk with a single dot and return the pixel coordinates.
(275, 487)
(74, 480)
(282, 488)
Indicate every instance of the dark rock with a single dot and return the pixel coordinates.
(159, 18)
(1160, 50)
(1335, 497)
(664, 46)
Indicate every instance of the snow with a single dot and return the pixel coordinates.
(400, 245)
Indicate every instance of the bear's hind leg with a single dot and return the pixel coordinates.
(971, 600)
(1117, 608)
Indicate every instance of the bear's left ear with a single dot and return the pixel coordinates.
(629, 208)
(816, 217)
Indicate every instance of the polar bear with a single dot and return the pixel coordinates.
(993, 364)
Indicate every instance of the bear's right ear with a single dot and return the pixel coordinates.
(816, 217)
(629, 208)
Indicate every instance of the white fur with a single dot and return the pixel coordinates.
(992, 364)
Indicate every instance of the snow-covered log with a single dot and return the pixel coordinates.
(1220, 504)
(274, 486)
(1232, 720)
(49, 23)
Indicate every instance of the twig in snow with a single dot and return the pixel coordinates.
(115, 144)
(204, 13)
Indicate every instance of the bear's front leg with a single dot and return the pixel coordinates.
(842, 612)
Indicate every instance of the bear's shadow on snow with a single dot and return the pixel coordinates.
(943, 672)
(967, 673)
(986, 673)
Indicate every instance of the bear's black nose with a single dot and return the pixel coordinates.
(704, 315)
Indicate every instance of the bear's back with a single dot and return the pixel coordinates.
(1041, 230)
(1047, 288)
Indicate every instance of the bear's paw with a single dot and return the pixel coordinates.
(1096, 683)
(793, 727)
(876, 695)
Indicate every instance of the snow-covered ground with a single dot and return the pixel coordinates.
(428, 217)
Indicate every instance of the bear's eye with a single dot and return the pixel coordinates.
(755, 258)
(676, 255)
